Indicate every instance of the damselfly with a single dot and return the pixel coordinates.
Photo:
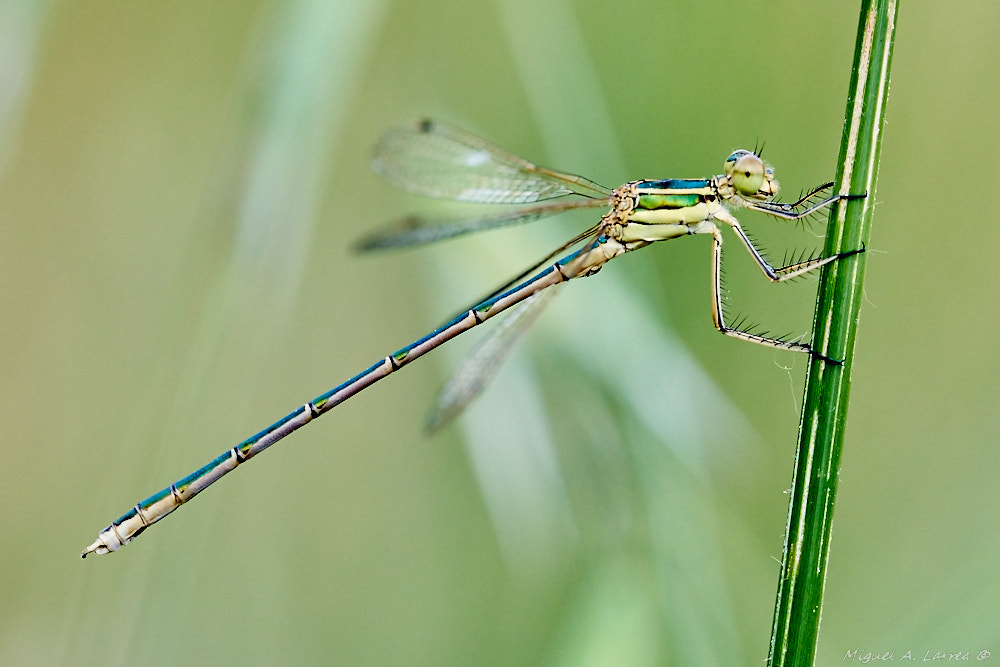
(437, 160)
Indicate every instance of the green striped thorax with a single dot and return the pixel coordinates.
(672, 193)
(746, 177)
(655, 210)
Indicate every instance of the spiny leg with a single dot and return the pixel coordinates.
(789, 212)
(776, 275)
(719, 318)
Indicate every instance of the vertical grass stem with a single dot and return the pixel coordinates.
(824, 413)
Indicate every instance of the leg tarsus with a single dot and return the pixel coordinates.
(856, 251)
(822, 357)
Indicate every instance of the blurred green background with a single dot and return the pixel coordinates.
(180, 185)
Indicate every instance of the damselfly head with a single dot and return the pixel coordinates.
(751, 178)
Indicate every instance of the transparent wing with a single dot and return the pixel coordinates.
(415, 229)
(435, 159)
(480, 366)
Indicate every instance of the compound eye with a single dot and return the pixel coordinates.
(747, 171)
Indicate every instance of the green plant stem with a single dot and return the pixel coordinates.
(824, 411)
